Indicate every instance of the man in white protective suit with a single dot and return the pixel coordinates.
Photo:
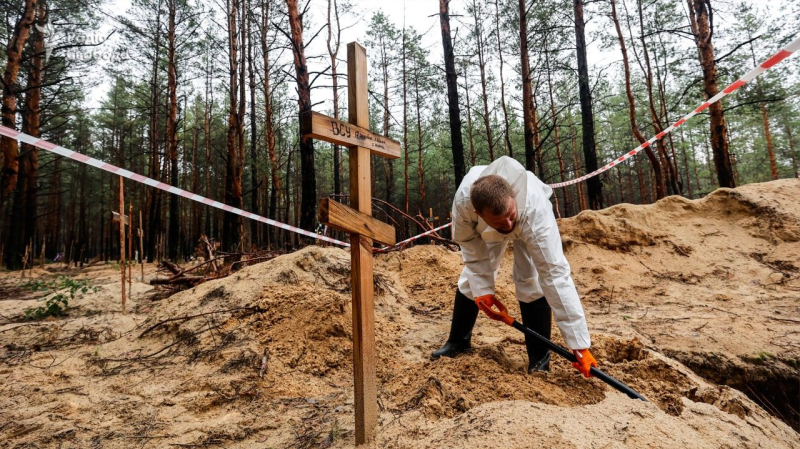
(502, 203)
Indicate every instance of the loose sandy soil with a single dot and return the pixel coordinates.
(695, 304)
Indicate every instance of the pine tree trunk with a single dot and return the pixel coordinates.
(686, 166)
(452, 93)
(31, 124)
(309, 179)
(557, 139)
(576, 164)
(172, 134)
(537, 144)
(470, 133)
(269, 133)
(333, 50)
(792, 152)
(255, 225)
(388, 164)
(640, 178)
(231, 233)
(195, 206)
(507, 127)
(207, 107)
(481, 50)
(244, 39)
(405, 133)
(593, 185)
(23, 220)
(420, 165)
(632, 106)
(53, 225)
(154, 195)
(773, 166)
(8, 117)
(694, 158)
(699, 11)
(527, 91)
(662, 95)
(666, 164)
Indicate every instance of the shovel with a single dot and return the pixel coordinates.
(503, 316)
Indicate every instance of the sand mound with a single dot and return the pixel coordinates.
(691, 303)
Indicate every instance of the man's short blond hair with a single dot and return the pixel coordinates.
(490, 193)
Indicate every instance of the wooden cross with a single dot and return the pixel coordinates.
(357, 220)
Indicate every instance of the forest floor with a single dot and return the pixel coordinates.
(692, 303)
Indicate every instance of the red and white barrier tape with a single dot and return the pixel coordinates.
(53, 148)
(749, 76)
(414, 238)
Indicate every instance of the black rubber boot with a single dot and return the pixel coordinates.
(465, 312)
(538, 316)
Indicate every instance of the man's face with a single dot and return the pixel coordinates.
(504, 223)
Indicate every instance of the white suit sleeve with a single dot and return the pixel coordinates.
(478, 266)
(543, 241)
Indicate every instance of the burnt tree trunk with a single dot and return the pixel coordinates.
(527, 90)
(231, 232)
(308, 206)
(593, 185)
(452, 93)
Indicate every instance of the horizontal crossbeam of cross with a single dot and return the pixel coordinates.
(319, 126)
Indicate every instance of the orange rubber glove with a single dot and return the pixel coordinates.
(486, 302)
(585, 361)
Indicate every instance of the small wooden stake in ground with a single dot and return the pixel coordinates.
(122, 238)
(362, 227)
(24, 261)
(32, 261)
(130, 246)
(141, 245)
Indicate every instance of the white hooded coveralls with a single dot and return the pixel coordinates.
(540, 268)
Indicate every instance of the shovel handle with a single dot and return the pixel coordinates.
(571, 357)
